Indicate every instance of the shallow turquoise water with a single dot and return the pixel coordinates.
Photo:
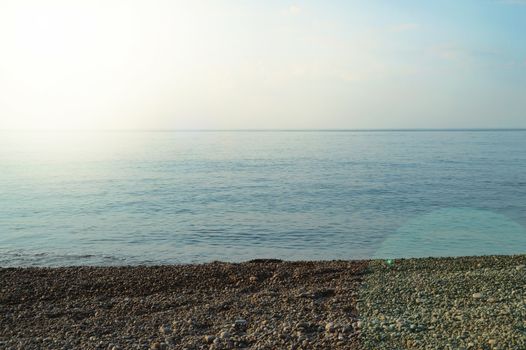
(76, 198)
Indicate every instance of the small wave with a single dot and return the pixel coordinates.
(27, 259)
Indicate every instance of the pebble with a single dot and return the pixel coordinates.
(209, 338)
(165, 329)
(449, 319)
(205, 303)
(224, 335)
(240, 324)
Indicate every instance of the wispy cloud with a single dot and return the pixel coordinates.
(512, 2)
(449, 53)
(292, 10)
(404, 27)
(457, 53)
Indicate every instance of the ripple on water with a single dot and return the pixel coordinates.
(149, 198)
(455, 232)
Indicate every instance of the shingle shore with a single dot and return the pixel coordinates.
(255, 305)
(461, 303)
(447, 303)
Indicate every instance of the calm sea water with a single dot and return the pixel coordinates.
(75, 198)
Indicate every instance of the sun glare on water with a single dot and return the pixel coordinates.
(67, 146)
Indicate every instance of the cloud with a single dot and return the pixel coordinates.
(454, 52)
(292, 10)
(512, 2)
(449, 53)
(404, 27)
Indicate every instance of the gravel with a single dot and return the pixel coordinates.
(448, 303)
(469, 303)
(265, 304)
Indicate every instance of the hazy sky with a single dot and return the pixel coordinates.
(262, 64)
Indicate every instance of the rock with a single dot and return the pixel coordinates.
(155, 346)
(240, 324)
(347, 329)
(165, 329)
(477, 295)
(209, 339)
(224, 335)
(449, 318)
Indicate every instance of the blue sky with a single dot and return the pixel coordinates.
(270, 64)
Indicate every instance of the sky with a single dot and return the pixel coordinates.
(172, 64)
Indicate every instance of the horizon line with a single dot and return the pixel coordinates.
(270, 130)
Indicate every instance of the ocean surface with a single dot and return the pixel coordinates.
(115, 198)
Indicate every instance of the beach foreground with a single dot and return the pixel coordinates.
(449, 303)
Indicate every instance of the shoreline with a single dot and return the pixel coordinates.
(464, 302)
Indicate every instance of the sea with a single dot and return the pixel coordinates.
(176, 197)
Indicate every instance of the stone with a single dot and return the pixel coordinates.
(224, 335)
(240, 324)
(329, 327)
(165, 329)
(477, 295)
(209, 338)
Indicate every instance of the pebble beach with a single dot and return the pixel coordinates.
(432, 303)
